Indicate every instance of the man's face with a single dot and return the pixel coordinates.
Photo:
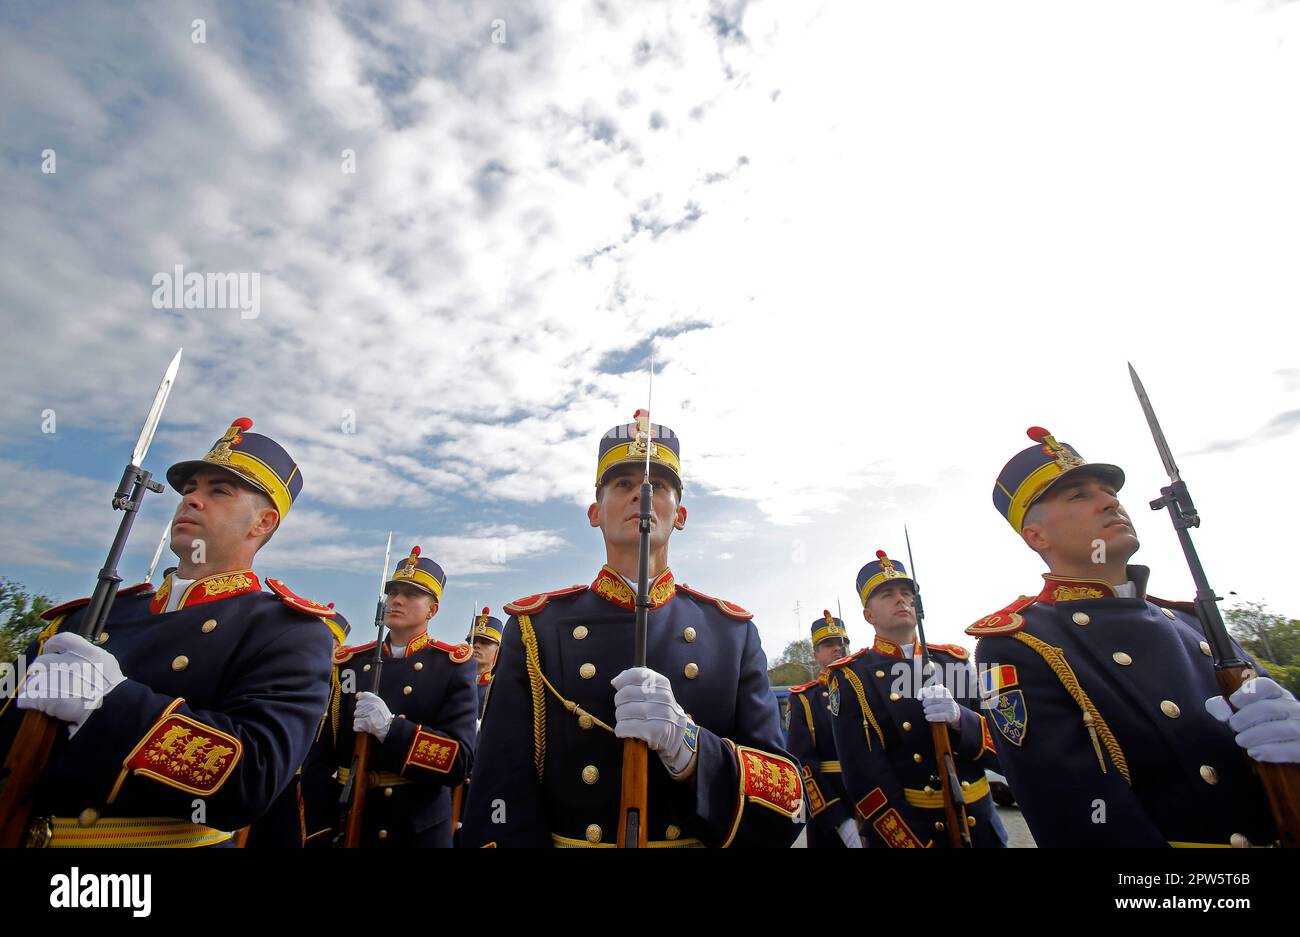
(892, 605)
(1080, 520)
(485, 654)
(617, 510)
(222, 512)
(828, 650)
(408, 606)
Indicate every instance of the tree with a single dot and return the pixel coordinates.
(20, 618)
(794, 665)
(796, 652)
(1272, 639)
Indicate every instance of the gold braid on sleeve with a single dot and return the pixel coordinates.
(1092, 718)
(807, 711)
(868, 717)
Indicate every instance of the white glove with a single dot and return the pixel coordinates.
(1267, 720)
(848, 831)
(644, 708)
(939, 705)
(69, 680)
(371, 715)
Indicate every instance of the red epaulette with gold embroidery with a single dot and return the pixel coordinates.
(956, 650)
(844, 661)
(297, 602)
(804, 686)
(730, 609)
(52, 613)
(344, 654)
(459, 653)
(1004, 622)
(532, 604)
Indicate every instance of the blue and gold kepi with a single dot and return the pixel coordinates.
(1029, 475)
(879, 571)
(486, 628)
(258, 460)
(420, 572)
(828, 626)
(625, 445)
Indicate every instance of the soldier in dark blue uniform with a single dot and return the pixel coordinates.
(486, 637)
(1099, 692)
(422, 717)
(565, 694)
(882, 715)
(810, 738)
(205, 694)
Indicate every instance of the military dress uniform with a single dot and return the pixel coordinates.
(430, 743)
(1097, 695)
(486, 628)
(549, 765)
(221, 695)
(810, 739)
(885, 745)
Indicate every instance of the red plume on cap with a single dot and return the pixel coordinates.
(415, 551)
(826, 612)
(880, 554)
(243, 423)
(1037, 433)
(485, 609)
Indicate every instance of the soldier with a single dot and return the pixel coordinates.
(1105, 697)
(810, 738)
(422, 719)
(882, 724)
(199, 701)
(563, 695)
(487, 642)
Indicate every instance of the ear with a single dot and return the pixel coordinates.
(866, 613)
(1036, 537)
(266, 521)
(433, 610)
(680, 520)
(593, 514)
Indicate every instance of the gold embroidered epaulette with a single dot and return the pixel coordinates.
(343, 654)
(297, 602)
(52, 613)
(956, 650)
(532, 604)
(1006, 621)
(730, 609)
(459, 653)
(804, 686)
(845, 661)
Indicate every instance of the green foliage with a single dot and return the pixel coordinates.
(1272, 639)
(20, 617)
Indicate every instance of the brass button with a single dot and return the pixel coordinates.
(388, 792)
(917, 759)
(180, 663)
(209, 626)
(938, 825)
(894, 697)
(1209, 775)
(401, 715)
(585, 721)
(970, 821)
(1205, 648)
(965, 785)
(407, 691)
(689, 635)
(593, 833)
(365, 669)
(1080, 618)
(1238, 841)
(1169, 613)
(383, 834)
(692, 670)
(673, 832)
(88, 817)
(907, 727)
(590, 774)
(419, 665)
(1170, 709)
(587, 671)
(880, 673)
(928, 789)
(579, 632)
(103, 637)
(1121, 658)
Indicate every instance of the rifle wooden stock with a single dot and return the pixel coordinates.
(1281, 782)
(953, 814)
(357, 806)
(632, 825)
(22, 770)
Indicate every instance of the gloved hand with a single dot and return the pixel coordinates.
(848, 831)
(644, 708)
(69, 680)
(939, 705)
(1267, 720)
(371, 715)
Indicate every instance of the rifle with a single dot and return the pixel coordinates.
(352, 801)
(954, 800)
(34, 743)
(633, 796)
(157, 554)
(1281, 781)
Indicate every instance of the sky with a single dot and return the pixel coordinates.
(867, 243)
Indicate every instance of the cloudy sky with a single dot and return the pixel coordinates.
(869, 243)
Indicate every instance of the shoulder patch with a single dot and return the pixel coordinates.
(459, 653)
(845, 661)
(297, 602)
(804, 686)
(344, 654)
(52, 613)
(730, 609)
(532, 604)
(956, 650)
(1006, 621)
